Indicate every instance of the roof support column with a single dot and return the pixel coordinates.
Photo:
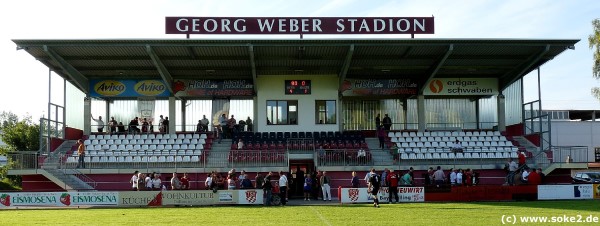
(172, 114)
(78, 79)
(421, 113)
(87, 115)
(183, 116)
(346, 65)
(162, 70)
(501, 112)
(253, 66)
(433, 70)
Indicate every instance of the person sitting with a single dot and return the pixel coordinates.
(145, 126)
(525, 176)
(361, 155)
(199, 127)
(121, 128)
(133, 126)
(240, 144)
(457, 147)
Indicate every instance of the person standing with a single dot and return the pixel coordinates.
(374, 185)
(156, 182)
(283, 188)
(355, 182)
(407, 179)
(113, 125)
(439, 177)
(377, 121)
(204, 123)
(381, 136)
(81, 154)
(223, 127)
(452, 176)
(267, 188)
(185, 182)
(512, 170)
(175, 182)
(134, 180)
(249, 124)
(392, 178)
(166, 124)
(141, 182)
(387, 122)
(307, 187)
(325, 182)
(148, 182)
(99, 123)
(259, 180)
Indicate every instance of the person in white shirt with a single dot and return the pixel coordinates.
(457, 147)
(240, 144)
(156, 183)
(209, 181)
(100, 123)
(525, 175)
(512, 170)
(368, 177)
(175, 182)
(283, 187)
(452, 176)
(134, 181)
(459, 177)
(148, 181)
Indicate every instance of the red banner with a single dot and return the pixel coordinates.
(299, 25)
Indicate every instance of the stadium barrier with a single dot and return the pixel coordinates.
(131, 198)
(568, 192)
(362, 195)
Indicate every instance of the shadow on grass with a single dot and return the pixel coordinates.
(583, 205)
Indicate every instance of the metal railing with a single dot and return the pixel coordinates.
(301, 145)
(562, 155)
(343, 157)
(23, 160)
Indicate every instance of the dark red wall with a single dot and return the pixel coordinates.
(35, 183)
(73, 134)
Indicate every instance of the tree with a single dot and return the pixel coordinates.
(19, 135)
(594, 41)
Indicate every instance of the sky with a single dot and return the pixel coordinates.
(566, 81)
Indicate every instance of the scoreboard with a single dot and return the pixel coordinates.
(293, 87)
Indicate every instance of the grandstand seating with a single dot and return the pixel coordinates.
(438, 144)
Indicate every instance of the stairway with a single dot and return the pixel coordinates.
(218, 157)
(380, 157)
(68, 179)
(530, 147)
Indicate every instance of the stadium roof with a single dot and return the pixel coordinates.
(79, 61)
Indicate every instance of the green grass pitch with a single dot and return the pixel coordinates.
(444, 214)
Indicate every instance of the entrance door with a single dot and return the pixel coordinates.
(298, 171)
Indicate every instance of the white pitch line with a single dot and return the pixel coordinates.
(321, 216)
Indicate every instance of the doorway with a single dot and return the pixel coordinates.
(298, 170)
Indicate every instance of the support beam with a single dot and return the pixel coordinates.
(434, 70)
(518, 72)
(346, 65)
(74, 75)
(162, 70)
(253, 66)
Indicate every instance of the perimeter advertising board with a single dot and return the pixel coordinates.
(462, 86)
(128, 88)
(378, 87)
(571, 191)
(58, 199)
(361, 195)
(211, 87)
(596, 191)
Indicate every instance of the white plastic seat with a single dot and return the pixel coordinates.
(195, 136)
(178, 141)
(159, 136)
(467, 155)
(133, 141)
(94, 142)
(162, 158)
(398, 134)
(145, 147)
(153, 158)
(428, 156)
(137, 147)
(122, 137)
(87, 142)
(129, 147)
(167, 136)
(129, 137)
(199, 146)
(203, 136)
(124, 141)
(195, 158)
(197, 152)
(187, 158)
(444, 155)
(151, 136)
(160, 147)
(92, 137)
(170, 158)
(450, 155)
(412, 156)
(117, 142)
(128, 159)
(168, 147)
(391, 134)
(475, 155)
(188, 136)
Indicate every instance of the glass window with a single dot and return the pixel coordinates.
(282, 112)
(325, 112)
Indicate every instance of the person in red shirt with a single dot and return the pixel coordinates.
(521, 159)
(468, 177)
(392, 178)
(185, 182)
(534, 178)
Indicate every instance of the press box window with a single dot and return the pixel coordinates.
(325, 112)
(282, 112)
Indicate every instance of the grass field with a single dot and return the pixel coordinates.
(444, 214)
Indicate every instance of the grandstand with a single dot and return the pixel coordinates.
(326, 124)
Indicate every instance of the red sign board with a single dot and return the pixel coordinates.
(299, 25)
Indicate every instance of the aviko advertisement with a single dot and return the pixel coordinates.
(462, 86)
(128, 88)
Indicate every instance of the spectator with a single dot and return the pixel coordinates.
(208, 183)
(381, 136)
(534, 178)
(259, 180)
(362, 156)
(317, 185)
(407, 179)
(267, 186)
(387, 122)
(525, 175)
(517, 178)
(113, 125)
(459, 177)
(521, 159)
(249, 124)
(148, 182)
(99, 124)
(221, 181)
(392, 179)
(240, 144)
(542, 175)
(199, 127)
(166, 124)
(384, 181)
(439, 177)
(245, 182)
(133, 126)
(468, 176)
(457, 147)
(452, 177)
(411, 173)
(325, 182)
(141, 182)
(145, 126)
(283, 188)
(242, 126)
(121, 128)
(185, 182)
(134, 180)
(231, 182)
(374, 184)
(81, 154)
(428, 176)
(231, 127)
(512, 169)
(222, 127)
(175, 182)
(307, 187)
(355, 183)
(161, 125)
(156, 182)
(204, 123)
(377, 121)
